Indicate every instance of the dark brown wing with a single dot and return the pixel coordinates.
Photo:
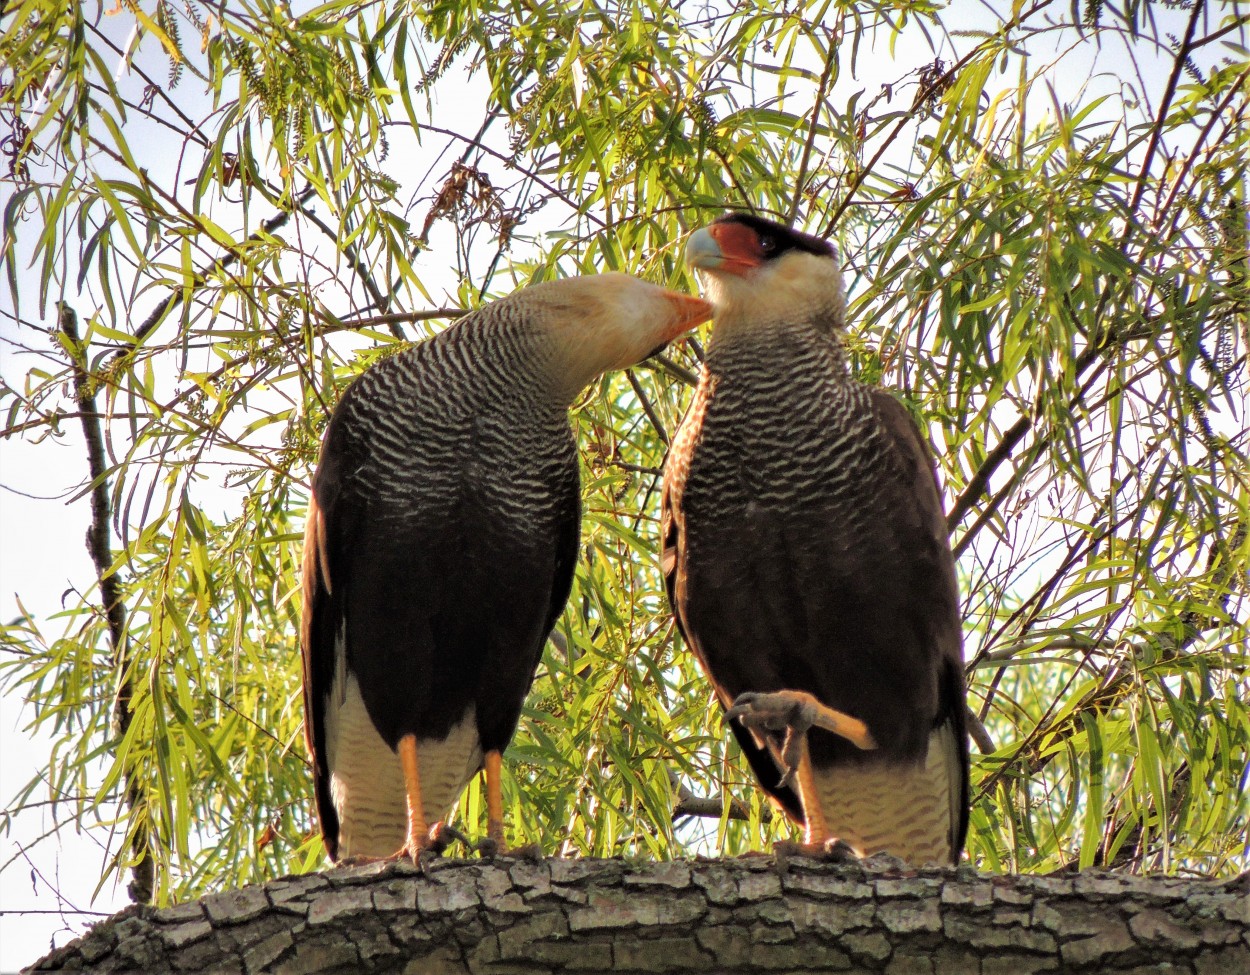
(449, 608)
(851, 599)
(673, 565)
(527, 592)
(320, 621)
(947, 629)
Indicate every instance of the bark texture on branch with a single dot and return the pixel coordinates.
(723, 916)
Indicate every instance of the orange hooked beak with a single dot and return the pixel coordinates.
(687, 312)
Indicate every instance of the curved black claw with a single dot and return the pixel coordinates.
(839, 851)
(424, 859)
(772, 714)
(833, 850)
(441, 836)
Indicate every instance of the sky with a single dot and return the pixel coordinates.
(43, 557)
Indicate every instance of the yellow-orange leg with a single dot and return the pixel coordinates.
(420, 836)
(818, 841)
(418, 832)
(795, 712)
(817, 832)
(494, 798)
(494, 844)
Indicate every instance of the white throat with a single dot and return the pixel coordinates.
(798, 288)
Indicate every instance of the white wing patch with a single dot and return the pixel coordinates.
(903, 810)
(367, 783)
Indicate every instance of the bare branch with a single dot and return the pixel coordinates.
(100, 548)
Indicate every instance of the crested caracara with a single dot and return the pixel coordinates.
(807, 562)
(441, 538)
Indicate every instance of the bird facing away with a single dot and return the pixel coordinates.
(807, 562)
(439, 551)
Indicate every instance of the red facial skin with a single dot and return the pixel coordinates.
(739, 246)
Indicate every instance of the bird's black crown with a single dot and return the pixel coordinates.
(777, 238)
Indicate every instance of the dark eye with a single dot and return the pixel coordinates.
(768, 245)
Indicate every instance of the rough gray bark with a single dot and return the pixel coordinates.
(723, 916)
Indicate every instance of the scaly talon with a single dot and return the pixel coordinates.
(441, 836)
(796, 712)
(761, 713)
(832, 850)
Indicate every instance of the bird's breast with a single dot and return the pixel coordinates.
(783, 453)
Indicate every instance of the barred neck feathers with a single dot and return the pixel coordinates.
(575, 329)
(519, 361)
(796, 300)
(781, 416)
(777, 371)
(473, 390)
(494, 355)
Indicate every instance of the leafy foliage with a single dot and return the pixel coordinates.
(1047, 255)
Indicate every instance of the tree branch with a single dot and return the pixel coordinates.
(647, 406)
(678, 372)
(100, 548)
(978, 483)
(805, 161)
(710, 807)
(175, 296)
(1156, 132)
(725, 916)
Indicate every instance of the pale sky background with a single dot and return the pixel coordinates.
(42, 552)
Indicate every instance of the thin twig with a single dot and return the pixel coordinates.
(821, 89)
(405, 317)
(710, 807)
(100, 548)
(56, 910)
(647, 406)
(1156, 132)
(177, 295)
(937, 84)
(678, 372)
(514, 164)
(351, 255)
(636, 468)
(980, 480)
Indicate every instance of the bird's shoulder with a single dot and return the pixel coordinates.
(914, 463)
(897, 425)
